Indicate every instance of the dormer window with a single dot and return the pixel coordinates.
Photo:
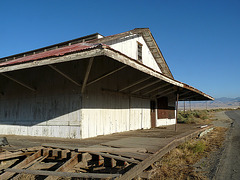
(139, 51)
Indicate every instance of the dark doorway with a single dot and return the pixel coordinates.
(153, 113)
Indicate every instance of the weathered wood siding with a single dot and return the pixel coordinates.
(53, 111)
(128, 46)
(106, 113)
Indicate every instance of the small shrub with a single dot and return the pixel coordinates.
(199, 147)
(180, 118)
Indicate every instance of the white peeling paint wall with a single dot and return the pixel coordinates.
(44, 131)
(139, 113)
(165, 122)
(54, 116)
(107, 113)
(128, 46)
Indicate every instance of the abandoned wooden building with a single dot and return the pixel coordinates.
(90, 86)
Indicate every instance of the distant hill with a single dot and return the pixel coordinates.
(223, 102)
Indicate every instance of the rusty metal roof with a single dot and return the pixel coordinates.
(52, 53)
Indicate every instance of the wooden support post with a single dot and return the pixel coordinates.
(55, 152)
(87, 74)
(19, 82)
(85, 157)
(176, 111)
(64, 75)
(64, 153)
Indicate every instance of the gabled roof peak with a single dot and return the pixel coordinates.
(151, 43)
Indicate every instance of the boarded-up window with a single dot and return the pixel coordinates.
(139, 51)
(164, 111)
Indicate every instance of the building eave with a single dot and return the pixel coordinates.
(185, 91)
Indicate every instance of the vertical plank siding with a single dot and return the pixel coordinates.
(53, 111)
(116, 114)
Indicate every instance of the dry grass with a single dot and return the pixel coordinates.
(177, 164)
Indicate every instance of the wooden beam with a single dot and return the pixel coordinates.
(112, 150)
(8, 155)
(65, 167)
(87, 74)
(162, 92)
(7, 175)
(158, 88)
(184, 93)
(116, 157)
(106, 75)
(31, 165)
(166, 93)
(64, 75)
(18, 82)
(143, 87)
(64, 174)
(122, 93)
(136, 83)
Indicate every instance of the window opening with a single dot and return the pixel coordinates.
(139, 51)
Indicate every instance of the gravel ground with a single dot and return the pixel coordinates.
(225, 162)
(229, 166)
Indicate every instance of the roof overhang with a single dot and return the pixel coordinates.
(160, 85)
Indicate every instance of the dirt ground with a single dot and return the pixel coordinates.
(225, 162)
(209, 165)
(211, 162)
(215, 165)
(229, 164)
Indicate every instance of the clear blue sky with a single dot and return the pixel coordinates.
(200, 40)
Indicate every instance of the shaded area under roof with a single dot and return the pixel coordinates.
(86, 50)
